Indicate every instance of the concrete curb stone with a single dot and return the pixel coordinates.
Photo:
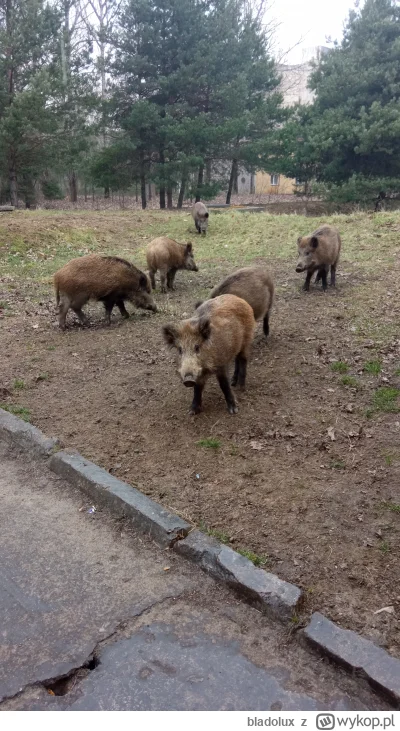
(356, 654)
(272, 594)
(104, 489)
(15, 431)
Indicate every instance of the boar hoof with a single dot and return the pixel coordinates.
(233, 409)
(194, 410)
(306, 288)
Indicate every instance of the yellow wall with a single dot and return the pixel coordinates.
(263, 185)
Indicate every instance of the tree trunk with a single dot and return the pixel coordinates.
(181, 192)
(107, 191)
(136, 193)
(233, 175)
(162, 186)
(142, 181)
(73, 187)
(12, 177)
(85, 191)
(199, 183)
(208, 171)
(149, 193)
(169, 197)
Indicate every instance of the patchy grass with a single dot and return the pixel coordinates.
(339, 367)
(385, 547)
(42, 377)
(18, 384)
(385, 399)
(209, 443)
(349, 381)
(393, 507)
(214, 533)
(337, 464)
(20, 411)
(389, 458)
(373, 366)
(253, 557)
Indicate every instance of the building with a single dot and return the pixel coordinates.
(295, 91)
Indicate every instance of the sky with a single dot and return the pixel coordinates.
(307, 21)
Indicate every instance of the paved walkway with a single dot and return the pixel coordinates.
(95, 617)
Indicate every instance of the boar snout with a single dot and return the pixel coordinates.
(300, 268)
(189, 380)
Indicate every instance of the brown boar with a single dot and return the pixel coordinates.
(107, 279)
(168, 256)
(253, 284)
(200, 215)
(221, 330)
(317, 253)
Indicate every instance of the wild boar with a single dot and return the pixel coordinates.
(107, 279)
(317, 253)
(253, 284)
(168, 256)
(200, 215)
(221, 330)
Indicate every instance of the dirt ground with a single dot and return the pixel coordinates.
(306, 475)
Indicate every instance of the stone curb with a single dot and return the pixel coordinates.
(15, 431)
(270, 593)
(356, 654)
(146, 515)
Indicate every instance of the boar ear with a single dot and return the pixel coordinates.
(314, 242)
(197, 305)
(170, 333)
(189, 247)
(206, 215)
(299, 240)
(204, 328)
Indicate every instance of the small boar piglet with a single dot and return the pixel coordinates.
(107, 279)
(167, 256)
(200, 216)
(317, 253)
(255, 286)
(221, 330)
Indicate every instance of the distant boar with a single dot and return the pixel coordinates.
(107, 279)
(222, 329)
(200, 215)
(168, 256)
(317, 253)
(253, 284)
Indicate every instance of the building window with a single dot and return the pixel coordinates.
(274, 179)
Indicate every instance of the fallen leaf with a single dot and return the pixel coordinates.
(256, 445)
(331, 434)
(167, 568)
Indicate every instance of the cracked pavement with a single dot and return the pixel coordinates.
(96, 617)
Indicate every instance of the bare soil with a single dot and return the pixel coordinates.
(305, 475)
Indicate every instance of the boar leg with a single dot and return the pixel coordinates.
(198, 227)
(163, 279)
(323, 277)
(62, 312)
(266, 325)
(306, 287)
(152, 279)
(124, 312)
(82, 317)
(197, 399)
(171, 278)
(227, 391)
(108, 305)
(333, 275)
